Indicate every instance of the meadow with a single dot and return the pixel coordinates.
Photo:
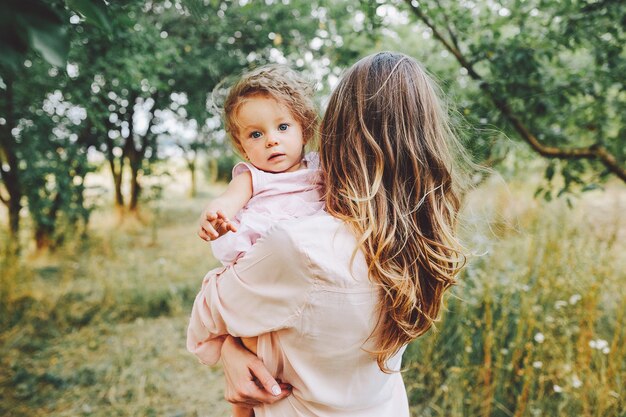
(535, 327)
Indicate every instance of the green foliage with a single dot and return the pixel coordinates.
(556, 66)
(40, 25)
(50, 142)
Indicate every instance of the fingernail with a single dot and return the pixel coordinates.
(276, 390)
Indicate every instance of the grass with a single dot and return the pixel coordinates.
(534, 328)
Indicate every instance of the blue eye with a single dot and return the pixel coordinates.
(256, 135)
(283, 126)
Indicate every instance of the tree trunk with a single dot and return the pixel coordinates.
(14, 216)
(9, 167)
(45, 230)
(43, 238)
(213, 170)
(117, 180)
(135, 188)
(191, 164)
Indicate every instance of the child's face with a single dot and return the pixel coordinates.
(269, 135)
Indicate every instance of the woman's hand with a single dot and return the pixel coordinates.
(248, 382)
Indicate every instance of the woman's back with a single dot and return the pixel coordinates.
(323, 355)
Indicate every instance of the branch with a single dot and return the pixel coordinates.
(455, 41)
(144, 139)
(4, 200)
(595, 151)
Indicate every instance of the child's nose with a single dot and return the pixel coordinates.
(271, 141)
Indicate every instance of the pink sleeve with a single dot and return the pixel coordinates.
(263, 291)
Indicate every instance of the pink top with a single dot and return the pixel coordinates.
(275, 197)
(313, 315)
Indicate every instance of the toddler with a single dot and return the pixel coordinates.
(270, 117)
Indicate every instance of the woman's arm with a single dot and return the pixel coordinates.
(215, 219)
(263, 291)
(243, 373)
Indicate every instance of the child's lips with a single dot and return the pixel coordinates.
(275, 155)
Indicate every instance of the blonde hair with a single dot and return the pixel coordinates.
(389, 172)
(283, 85)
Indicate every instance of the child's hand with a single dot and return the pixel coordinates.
(214, 224)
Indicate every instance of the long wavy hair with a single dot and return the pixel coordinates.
(388, 154)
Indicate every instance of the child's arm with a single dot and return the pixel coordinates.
(215, 219)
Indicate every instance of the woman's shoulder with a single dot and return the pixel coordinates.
(306, 234)
(327, 245)
(317, 226)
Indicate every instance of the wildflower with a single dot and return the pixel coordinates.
(560, 304)
(599, 344)
(574, 299)
(539, 338)
(537, 364)
(576, 382)
(606, 350)
(557, 388)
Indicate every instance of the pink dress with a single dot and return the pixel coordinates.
(313, 311)
(275, 197)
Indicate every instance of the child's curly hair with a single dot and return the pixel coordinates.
(283, 85)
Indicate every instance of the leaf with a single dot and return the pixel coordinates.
(196, 8)
(94, 11)
(550, 172)
(51, 41)
(591, 187)
(547, 196)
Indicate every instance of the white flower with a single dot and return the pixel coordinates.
(600, 344)
(557, 388)
(574, 299)
(539, 338)
(537, 364)
(576, 382)
(560, 304)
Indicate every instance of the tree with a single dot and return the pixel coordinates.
(27, 27)
(537, 61)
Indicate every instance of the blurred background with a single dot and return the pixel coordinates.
(110, 147)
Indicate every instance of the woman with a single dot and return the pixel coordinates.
(334, 298)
